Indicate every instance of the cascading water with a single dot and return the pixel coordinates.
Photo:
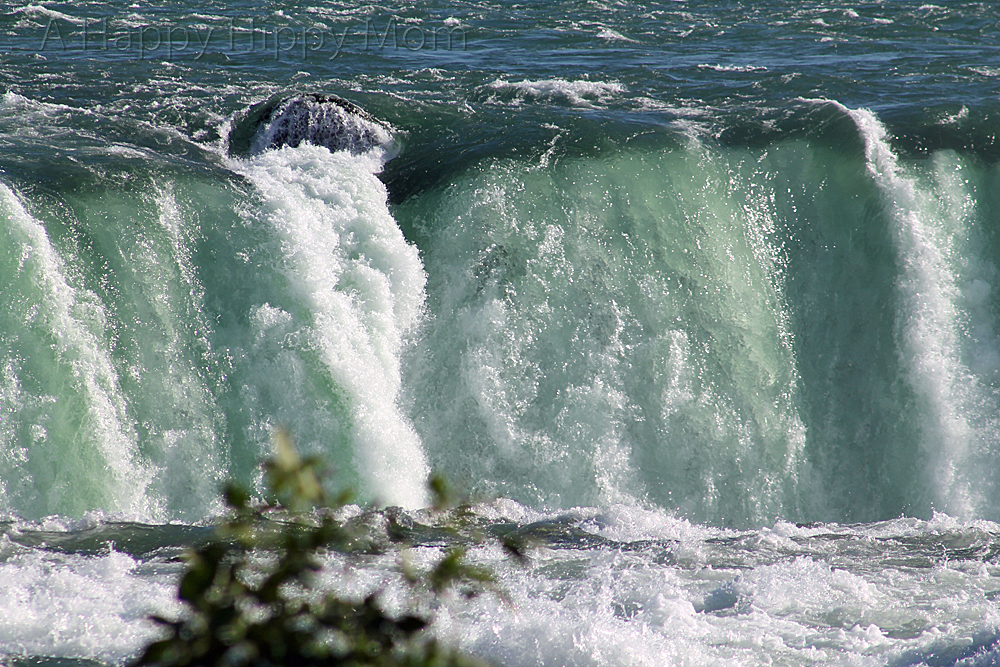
(949, 339)
(611, 330)
(80, 452)
(360, 283)
(725, 351)
(139, 395)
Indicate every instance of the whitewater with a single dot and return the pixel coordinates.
(701, 303)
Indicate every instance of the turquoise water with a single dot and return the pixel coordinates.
(713, 287)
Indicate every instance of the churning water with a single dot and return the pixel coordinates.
(702, 301)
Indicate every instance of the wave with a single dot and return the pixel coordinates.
(68, 439)
(361, 285)
(802, 328)
(796, 330)
(203, 308)
(818, 594)
(318, 119)
(576, 93)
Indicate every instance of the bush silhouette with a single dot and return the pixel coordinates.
(250, 594)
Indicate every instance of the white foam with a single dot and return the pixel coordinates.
(577, 93)
(363, 285)
(692, 595)
(733, 68)
(89, 607)
(47, 14)
(609, 35)
(606, 606)
(960, 115)
(22, 106)
(985, 71)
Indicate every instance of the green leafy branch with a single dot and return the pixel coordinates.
(250, 595)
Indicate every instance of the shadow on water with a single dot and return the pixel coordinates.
(981, 651)
(140, 541)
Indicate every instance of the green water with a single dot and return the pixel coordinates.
(664, 285)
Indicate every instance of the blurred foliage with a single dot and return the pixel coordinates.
(251, 598)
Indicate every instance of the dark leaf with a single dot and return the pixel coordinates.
(411, 624)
